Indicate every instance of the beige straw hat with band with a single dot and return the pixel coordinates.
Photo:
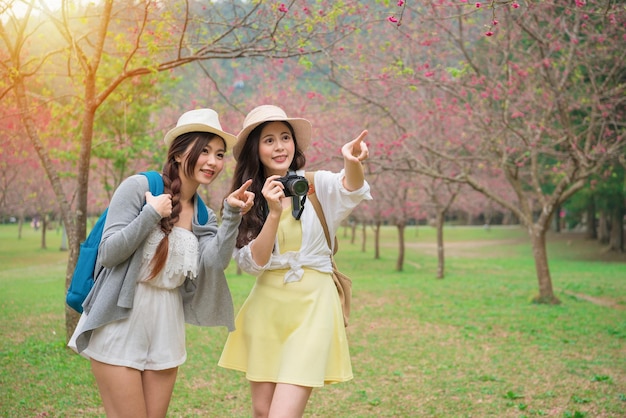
(270, 113)
(200, 120)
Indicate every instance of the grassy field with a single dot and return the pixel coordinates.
(470, 345)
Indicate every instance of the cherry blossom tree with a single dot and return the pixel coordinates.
(534, 98)
(89, 60)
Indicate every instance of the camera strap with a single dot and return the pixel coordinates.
(297, 206)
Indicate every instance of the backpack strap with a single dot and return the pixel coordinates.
(155, 181)
(203, 213)
(318, 210)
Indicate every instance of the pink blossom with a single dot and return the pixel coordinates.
(392, 19)
(515, 5)
(400, 3)
(429, 74)
(489, 33)
(283, 8)
(477, 5)
(580, 3)
(494, 22)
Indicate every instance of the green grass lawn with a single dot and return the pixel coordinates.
(470, 345)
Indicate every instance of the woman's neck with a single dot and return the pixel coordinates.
(275, 173)
(187, 191)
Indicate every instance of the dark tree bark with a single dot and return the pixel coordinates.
(401, 226)
(592, 230)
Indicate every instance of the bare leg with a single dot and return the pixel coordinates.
(158, 386)
(289, 401)
(262, 393)
(121, 390)
(278, 400)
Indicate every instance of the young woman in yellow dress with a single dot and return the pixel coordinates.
(290, 335)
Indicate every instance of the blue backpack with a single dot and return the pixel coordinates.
(84, 272)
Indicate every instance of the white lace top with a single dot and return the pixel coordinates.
(182, 258)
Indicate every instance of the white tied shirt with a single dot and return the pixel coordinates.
(337, 203)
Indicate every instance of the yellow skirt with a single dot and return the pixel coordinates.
(290, 332)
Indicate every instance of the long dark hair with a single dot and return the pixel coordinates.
(249, 166)
(172, 184)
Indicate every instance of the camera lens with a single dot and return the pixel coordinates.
(300, 187)
(295, 185)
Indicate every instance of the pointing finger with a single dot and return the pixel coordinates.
(356, 143)
(246, 185)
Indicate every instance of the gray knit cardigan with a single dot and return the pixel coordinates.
(206, 299)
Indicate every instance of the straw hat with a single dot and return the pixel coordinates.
(200, 120)
(270, 113)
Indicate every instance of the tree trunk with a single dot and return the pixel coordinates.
(400, 263)
(76, 231)
(603, 228)
(44, 228)
(592, 231)
(20, 226)
(440, 249)
(557, 219)
(546, 293)
(63, 238)
(616, 242)
(377, 240)
(364, 239)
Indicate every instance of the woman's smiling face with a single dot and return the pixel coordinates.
(276, 148)
(210, 162)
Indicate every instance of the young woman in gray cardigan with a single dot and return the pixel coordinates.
(162, 268)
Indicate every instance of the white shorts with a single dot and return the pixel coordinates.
(151, 338)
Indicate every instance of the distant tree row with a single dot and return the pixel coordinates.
(511, 109)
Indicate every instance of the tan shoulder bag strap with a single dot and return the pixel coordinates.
(318, 209)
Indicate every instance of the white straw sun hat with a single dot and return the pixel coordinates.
(200, 120)
(270, 113)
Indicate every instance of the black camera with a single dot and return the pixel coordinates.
(295, 185)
